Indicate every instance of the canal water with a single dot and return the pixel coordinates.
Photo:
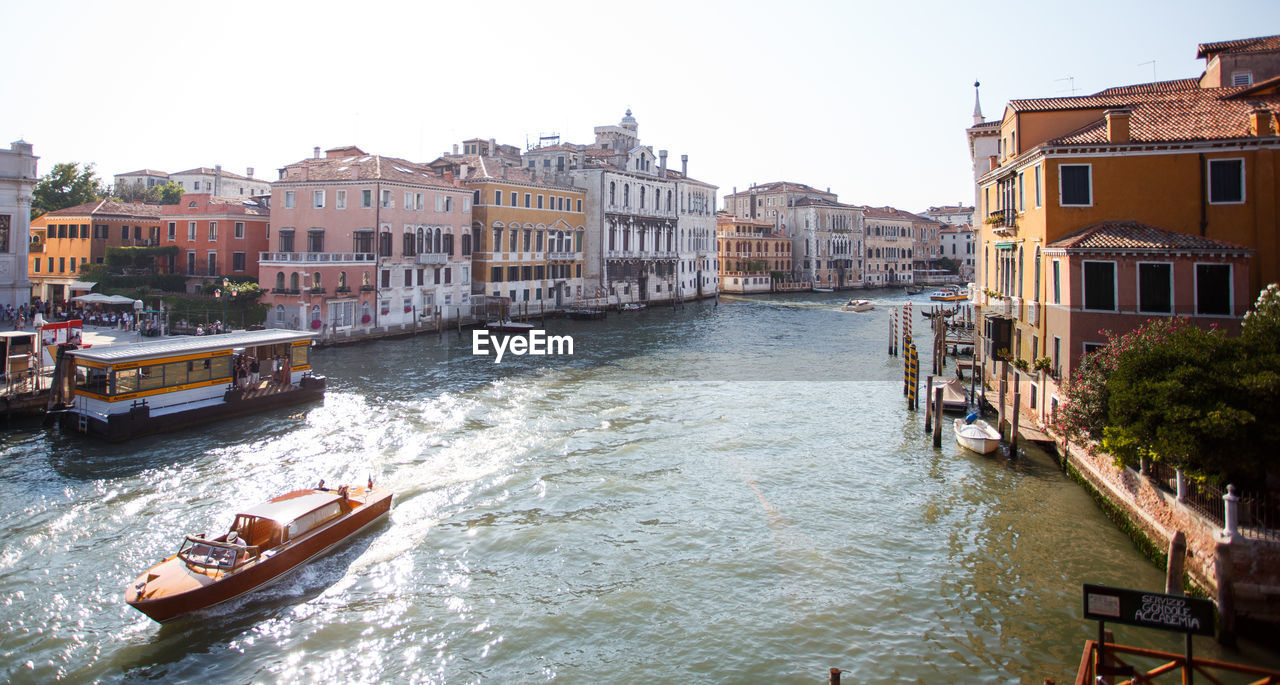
(726, 493)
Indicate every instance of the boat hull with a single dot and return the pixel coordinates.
(139, 421)
(262, 573)
(978, 436)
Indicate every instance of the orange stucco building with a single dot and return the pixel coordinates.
(1100, 211)
(66, 241)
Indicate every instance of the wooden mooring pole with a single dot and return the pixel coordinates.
(937, 417)
(928, 407)
(1000, 413)
(1017, 402)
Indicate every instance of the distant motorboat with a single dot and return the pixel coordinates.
(914, 289)
(822, 290)
(858, 306)
(978, 436)
(633, 307)
(509, 326)
(950, 293)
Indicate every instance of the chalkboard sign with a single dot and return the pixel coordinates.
(1149, 609)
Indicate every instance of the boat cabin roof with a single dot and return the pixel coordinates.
(287, 508)
(170, 347)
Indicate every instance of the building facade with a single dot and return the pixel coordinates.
(957, 244)
(210, 181)
(631, 246)
(827, 236)
(65, 242)
(362, 241)
(18, 178)
(528, 238)
(1177, 174)
(751, 255)
(215, 237)
(890, 245)
(952, 215)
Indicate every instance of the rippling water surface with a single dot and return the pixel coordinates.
(730, 493)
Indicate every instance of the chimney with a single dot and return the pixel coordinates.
(504, 172)
(448, 175)
(1117, 125)
(662, 163)
(248, 172)
(463, 171)
(684, 164)
(1261, 123)
(316, 152)
(217, 180)
(455, 148)
(493, 146)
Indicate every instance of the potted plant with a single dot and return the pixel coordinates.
(1021, 365)
(1044, 364)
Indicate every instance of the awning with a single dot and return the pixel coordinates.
(81, 285)
(1007, 245)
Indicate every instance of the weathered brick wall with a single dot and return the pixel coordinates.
(1255, 563)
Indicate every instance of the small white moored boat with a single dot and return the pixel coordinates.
(858, 306)
(978, 436)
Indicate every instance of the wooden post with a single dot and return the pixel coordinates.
(1000, 413)
(928, 407)
(937, 417)
(1017, 412)
(1173, 566)
(835, 676)
(1226, 596)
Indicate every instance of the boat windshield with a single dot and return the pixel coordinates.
(215, 553)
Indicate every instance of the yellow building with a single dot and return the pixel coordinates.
(1084, 203)
(528, 237)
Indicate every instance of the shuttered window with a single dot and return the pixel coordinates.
(1213, 289)
(1076, 184)
(1226, 181)
(1100, 285)
(1155, 288)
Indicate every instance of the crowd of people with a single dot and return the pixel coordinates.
(247, 371)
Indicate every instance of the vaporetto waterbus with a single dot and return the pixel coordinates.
(126, 390)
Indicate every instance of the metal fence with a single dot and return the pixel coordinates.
(1259, 513)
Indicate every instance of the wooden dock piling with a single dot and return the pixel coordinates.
(937, 417)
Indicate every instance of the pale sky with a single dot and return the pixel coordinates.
(870, 99)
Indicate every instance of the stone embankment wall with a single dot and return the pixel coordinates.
(1154, 514)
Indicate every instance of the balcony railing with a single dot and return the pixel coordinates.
(316, 257)
(561, 256)
(1003, 221)
(640, 254)
(432, 258)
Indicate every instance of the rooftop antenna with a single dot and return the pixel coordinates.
(1153, 69)
(1072, 81)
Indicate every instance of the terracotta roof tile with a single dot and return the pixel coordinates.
(1131, 235)
(109, 207)
(145, 172)
(1199, 114)
(371, 167)
(1148, 88)
(1260, 44)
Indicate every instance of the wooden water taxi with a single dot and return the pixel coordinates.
(949, 293)
(858, 306)
(264, 543)
(123, 391)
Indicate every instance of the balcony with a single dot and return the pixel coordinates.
(265, 258)
(561, 256)
(1033, 313)
(433, 258)
(1003, 222)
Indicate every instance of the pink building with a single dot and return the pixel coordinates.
(216, 237)
(1117, 274)
(364, 241)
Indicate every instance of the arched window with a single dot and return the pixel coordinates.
(421, 247)
(365, 314)
(613, 200)
(410, 245)
(1020, 272)
(439, 245)
(668, 200)
(315, 280)
(384, 243)
(641, 197)
(342, 280)
(280, 313)
(280, 281)
(364, 279)
(293, 281)
(466, 244)
(626, 196)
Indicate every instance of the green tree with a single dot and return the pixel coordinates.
(947, 264)
(169, 193)
(130, 192)
(66, 185)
